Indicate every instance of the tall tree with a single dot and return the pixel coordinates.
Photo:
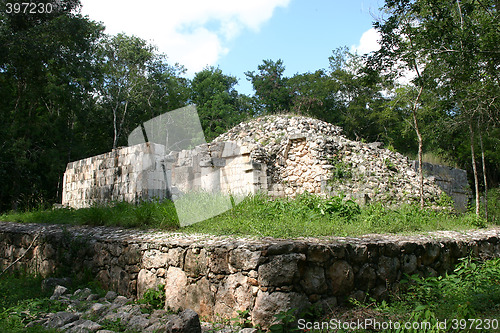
(448, 43)
(218, 103)
(137, 84)
(359, 102)
(46, 73)
(271, 86)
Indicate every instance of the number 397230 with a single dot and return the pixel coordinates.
(28, 8)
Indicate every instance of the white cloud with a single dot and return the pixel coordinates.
(368, 42)
(191, 32)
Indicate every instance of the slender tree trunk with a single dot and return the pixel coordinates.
(484, 177)
(115, 130)
(420, 147)
(474, 169)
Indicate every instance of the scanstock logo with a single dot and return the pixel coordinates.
(180, 130)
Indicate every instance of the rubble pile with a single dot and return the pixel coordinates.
(306, 154)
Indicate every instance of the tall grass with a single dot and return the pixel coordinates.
(261, 216)
(147, 214)
(21, 299)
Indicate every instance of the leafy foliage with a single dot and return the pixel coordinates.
(260, 215)
(153, 299)
(21, 299)
(69, 91)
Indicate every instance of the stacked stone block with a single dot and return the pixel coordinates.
(219, 276)
(146, 171)
(125, 174)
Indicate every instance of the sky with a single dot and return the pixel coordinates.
(237, 35)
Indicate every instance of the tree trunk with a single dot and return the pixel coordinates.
(420, 147)
(474, 169)
(115, 130)
(484, 177)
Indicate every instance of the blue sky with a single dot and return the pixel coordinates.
(236, 35)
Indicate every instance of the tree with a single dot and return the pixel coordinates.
(359, 103)
(218, 103)
(46, 71)
(271, 87)
(125, 84)
(454, 41)
(312, 94)
(136, 85)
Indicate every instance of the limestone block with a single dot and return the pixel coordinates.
(243, 258)
(341, 277)
(175, 289)
(147, 280)
(267, 305)
(154, 259)
(313, 280)
(388, 269)
(200, 298)
(230, 149)
(280, 270)
(196, 263)
(234, 294)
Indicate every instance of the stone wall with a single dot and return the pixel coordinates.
(145, 171)
(125, 174)
(306, 154)
(278, 155)
(451, 180)
(218, 167)
(217, 276)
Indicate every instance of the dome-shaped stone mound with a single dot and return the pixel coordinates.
(306, 154)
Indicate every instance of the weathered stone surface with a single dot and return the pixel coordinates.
(409, 263)
(97, 309)
(154, 259)
(110, 296)
(388, 268)
(349, 267)
(218, 261)
(175, 288)
(82, 326)
(139, 322)
(187, 321)
(313, 281)
(58, 292)
(366, 278)
(200, 297)
(59, 319)
(432, 251)
(233, 295)
(281, 155)
(269, 304)
(147, 280)
(280, 270)
(196, 262)
(175, 256)
(245, 259)
(341, 277)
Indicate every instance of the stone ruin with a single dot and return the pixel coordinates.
(279, 155)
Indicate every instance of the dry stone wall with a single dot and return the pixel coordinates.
(305, 154)
(125, 174)
(145, 171)
(217, 276)
(279, 155)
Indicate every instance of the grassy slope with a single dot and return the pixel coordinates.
(306, 216)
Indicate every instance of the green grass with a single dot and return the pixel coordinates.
(261, 216)
(21, 299)
(468, 296)
(152, 214)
